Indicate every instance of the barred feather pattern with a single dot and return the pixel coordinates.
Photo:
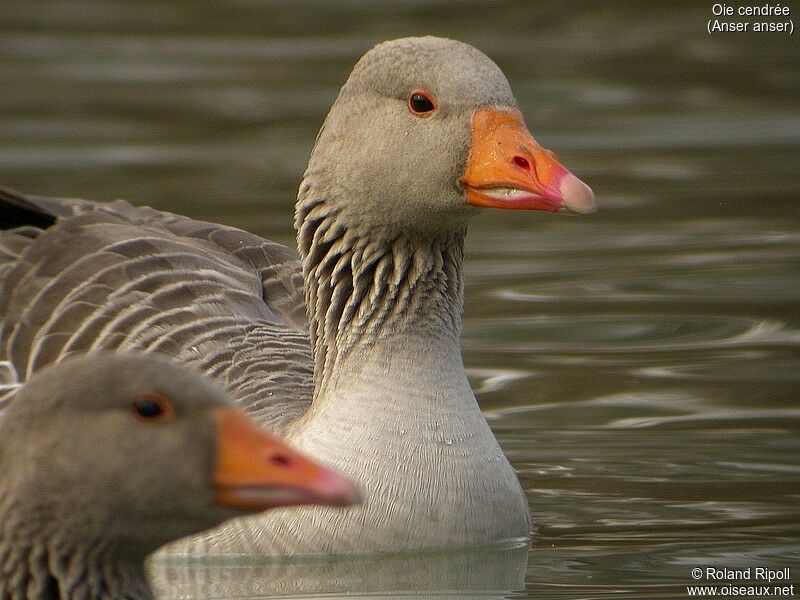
(43, 565)
(384, 304)
(115, 277)
(363, 288)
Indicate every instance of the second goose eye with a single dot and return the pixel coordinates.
(152, 407)
(421, 103)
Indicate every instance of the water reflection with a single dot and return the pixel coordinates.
(482, 573)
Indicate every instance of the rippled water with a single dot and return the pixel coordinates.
(641, 366)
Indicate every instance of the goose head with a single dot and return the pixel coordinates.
(424, 132)
(129, 452)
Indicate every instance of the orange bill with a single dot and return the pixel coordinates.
(256, 471)
(507, 168)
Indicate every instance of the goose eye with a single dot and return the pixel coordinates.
(152, 407)
(421, 103)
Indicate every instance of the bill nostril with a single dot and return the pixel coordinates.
(522, 163)
(281, 460)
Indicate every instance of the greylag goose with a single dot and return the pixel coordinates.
(352, 352)
(105, 458)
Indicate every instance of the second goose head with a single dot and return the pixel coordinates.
(105, 458)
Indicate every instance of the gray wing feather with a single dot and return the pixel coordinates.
(9, 383)
(112, 276)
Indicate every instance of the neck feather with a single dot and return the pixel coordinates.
(364, 284)
(36, 562)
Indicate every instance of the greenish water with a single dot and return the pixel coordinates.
(641, 366)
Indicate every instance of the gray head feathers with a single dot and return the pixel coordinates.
(84, 466)
(92, 479)
(457, 73)
(391, 170)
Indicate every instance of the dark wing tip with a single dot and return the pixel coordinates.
(17, 210)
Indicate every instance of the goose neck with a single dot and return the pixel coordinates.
(51, 569)
(376, 290)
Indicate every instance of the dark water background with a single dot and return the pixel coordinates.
(641, 366)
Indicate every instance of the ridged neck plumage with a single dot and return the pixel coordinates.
(366, 283)
(39, 562)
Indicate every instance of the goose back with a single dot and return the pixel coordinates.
(116, 277)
